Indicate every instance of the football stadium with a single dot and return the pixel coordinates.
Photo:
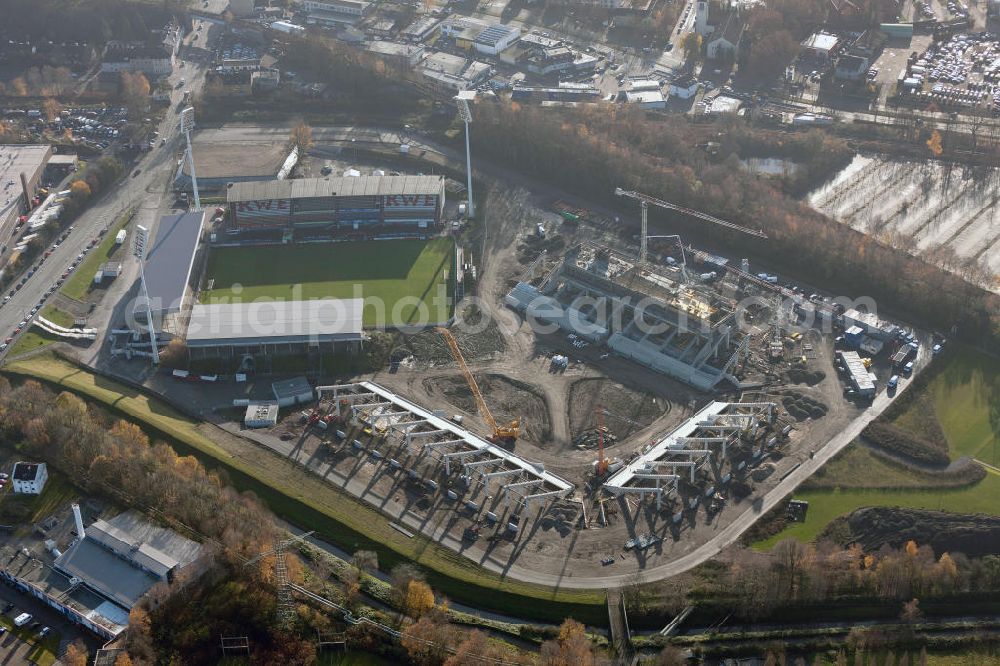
(310, 263)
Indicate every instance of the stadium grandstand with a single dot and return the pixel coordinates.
(355, 208)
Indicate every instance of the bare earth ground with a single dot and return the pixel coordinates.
(512, 364)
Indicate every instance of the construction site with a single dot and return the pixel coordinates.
(648, 412)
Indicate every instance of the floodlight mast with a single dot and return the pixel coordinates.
(139, 252)
(462, 101)
(187, 124)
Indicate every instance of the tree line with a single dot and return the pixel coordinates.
(591, 151)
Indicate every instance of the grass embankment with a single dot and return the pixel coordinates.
(963, 392)
(81, 280)
(386, 271)
(34, 337)
(312, 503)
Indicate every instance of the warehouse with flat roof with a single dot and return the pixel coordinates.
(354, 207)
(19, 161)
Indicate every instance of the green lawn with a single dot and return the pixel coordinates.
(825, 505)
(44, 650)
(33, 337)
(81, 280)
(398, 273)
(312, 503)
(966, 395)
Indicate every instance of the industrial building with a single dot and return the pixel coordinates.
(566, 91)
(293, 391)
(29, 478)
(453, 73)
(647, 100)
(463, 30)
(495, 38)
(870, 324)
(101, 576)
(421, 29)
(684, 87)
(170, 260)
(218, 162)
(402, 55)
(269, 327)
(858, 375)
(151, 60)
(490, 474)
(656, 316)
(721, 436)
(362, 206)
(21, 169)
(336, 12)
(819, 46)
(261, 415)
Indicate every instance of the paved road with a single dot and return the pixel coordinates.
(145, 191)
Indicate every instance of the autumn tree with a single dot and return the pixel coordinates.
(76, 654)
(419, 599)
(51, 108)
(911, 613)
(79, 190)
(175, 354)
(365, 561)
(692, 46)
(123, 659)
(139, 639)
(135, 94)
(571, 647)
(771, 53)
(428, 640)
(301, 137)
(405, 572)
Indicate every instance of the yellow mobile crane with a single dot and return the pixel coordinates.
(502, 434)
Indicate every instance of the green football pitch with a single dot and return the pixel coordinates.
(396, 277)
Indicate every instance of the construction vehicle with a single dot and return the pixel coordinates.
(504, 435)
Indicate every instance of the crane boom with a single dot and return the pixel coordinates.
(645, 200)
(507, 432)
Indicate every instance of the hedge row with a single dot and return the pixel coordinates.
(905, 444)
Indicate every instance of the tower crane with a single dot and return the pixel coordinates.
(644, 201)
(502, 434)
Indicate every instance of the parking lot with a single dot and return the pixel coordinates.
(15, 650)
(962, 72)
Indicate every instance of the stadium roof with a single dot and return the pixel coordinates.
(270, 322)
(170, 258)
(344, 186)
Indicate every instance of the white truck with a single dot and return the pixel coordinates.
(120, 237)
(22, 619)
